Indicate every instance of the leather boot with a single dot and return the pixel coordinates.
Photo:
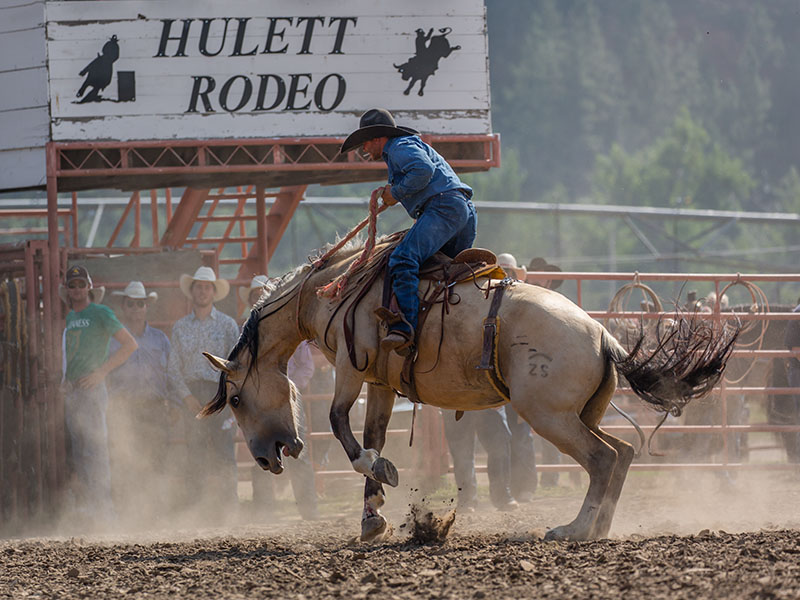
(397, 341)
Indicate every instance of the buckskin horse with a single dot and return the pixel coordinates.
(558, 365)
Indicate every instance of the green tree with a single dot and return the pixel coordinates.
(659, 67)
(504, 184)
(557, 108)
(684, 168)
(787, 193)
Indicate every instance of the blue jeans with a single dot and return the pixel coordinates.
(491, 427)
(85, 419)
(448, 223)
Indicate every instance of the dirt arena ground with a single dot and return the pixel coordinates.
(690, 535)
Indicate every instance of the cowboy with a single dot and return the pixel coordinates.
(549, 453)
(87, 361)
(792, 342)
(508, 441)
(491, 428)
(249, 295)
(540, 264)
(432, 194)
(138, 408)
(300, 369)
(210, 444)
(509, 264)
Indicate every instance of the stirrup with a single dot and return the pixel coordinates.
(399, 342)
(387, 316)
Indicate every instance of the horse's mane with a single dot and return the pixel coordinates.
(248, 339)
(283, 288)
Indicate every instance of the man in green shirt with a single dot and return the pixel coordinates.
(89, 329)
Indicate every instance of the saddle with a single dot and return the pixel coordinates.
(441, 273)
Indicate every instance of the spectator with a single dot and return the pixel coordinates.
(708, 304)
(211, 480)
(89, 327)
(323, 383)
(249, 295)
(550, 454)
(540, 264)
(138, 410)
(491, 427)
(300, 370)
(792, 342)
(509, 264)
(523, 453)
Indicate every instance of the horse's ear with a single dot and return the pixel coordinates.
(220, 364)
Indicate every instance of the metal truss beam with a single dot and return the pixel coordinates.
(185, 216)
(272, 162)
(276, 221)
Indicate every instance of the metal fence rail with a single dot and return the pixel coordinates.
(33, 470)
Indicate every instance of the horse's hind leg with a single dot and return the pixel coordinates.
(591, 415)
(625, 454)
(379, 410)
(573, 437)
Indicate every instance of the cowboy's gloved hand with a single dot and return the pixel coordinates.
(387, 197)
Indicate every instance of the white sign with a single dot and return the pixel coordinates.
(191, 69)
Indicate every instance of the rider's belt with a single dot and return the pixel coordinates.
(421, 208)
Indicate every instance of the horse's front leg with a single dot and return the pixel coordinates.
(380, 401)
(365, 461)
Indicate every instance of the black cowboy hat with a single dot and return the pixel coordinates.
(376, 122)
(541, 264)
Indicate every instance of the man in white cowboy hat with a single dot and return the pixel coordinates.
(425, 184)
(89, 327)
(249, 294)
(507, 438)
(138, 432)
(509, 264)
(210, 445)
(300, 370)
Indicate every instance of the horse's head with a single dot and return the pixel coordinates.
(253, 380)
(263, 402)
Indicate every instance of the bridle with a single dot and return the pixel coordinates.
(304, 335)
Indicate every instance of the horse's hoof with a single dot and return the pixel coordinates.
(565, 533)
(385, 472)
(557, 534)
(374, 529)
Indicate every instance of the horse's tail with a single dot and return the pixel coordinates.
(676, 364)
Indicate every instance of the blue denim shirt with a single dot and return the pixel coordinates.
(144, 374)
(417, 172)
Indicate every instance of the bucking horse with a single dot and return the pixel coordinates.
(556, 365)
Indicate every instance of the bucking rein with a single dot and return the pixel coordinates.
(470, 264)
